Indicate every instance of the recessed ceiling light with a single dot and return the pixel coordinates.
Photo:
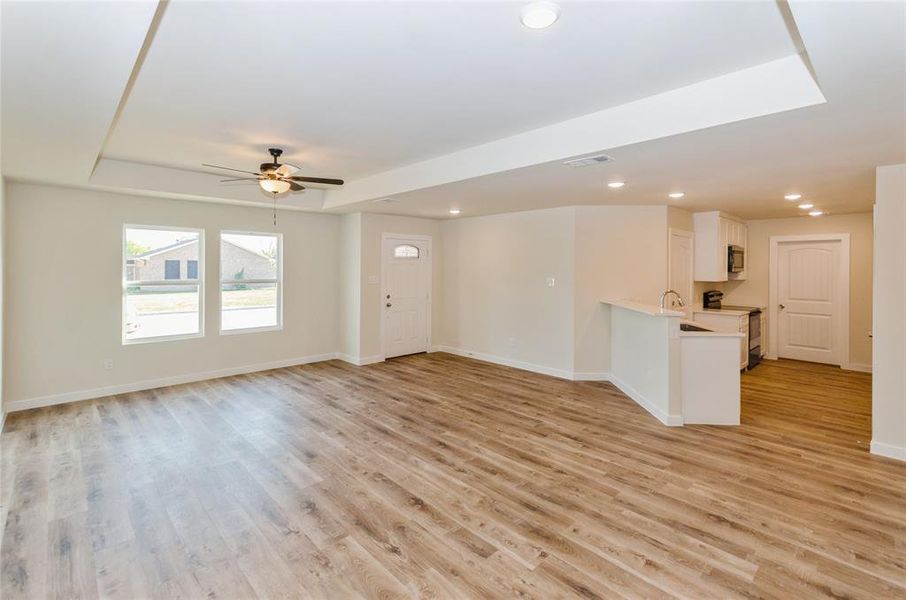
(454, 211)
(816, 213)
(616, 184)
(676, 195)
(539, 15)
(806, 206)
(792, 197)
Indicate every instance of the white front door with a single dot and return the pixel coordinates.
(680, 276)
(404, 299)
(809, 309)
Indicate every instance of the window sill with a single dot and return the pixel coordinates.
(251, 330)
(162, 338)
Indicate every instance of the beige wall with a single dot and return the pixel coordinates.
(351, 286)
(373, 226)
(620, 253)
(63, 320)
(496, 298)
(2, 289)
(888, 436)
(755, 289)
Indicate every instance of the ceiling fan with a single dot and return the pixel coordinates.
(276, 178)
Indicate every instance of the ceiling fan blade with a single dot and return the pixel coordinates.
(286, 169)
(241, 179)
(317, 180)
(230, 169)
(295, 186)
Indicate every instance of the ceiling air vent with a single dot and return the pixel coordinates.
(587, 161)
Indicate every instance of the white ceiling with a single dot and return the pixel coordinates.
(371, 91)
(353, 89)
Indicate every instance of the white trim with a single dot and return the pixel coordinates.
(507, 362)
(842, 288)
(430, 300)
(198, 281)
(666, 419)
(277, 280)
(591, 376)
(888, 450)
(524, 366)
(360, 361)
(150, 384)
(856, 367)
(2, 421)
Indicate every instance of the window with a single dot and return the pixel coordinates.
(405, 251)
(251, 279)
(171, 269)
(157, 302)
(192, 269)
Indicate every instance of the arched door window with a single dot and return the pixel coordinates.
(405, 251)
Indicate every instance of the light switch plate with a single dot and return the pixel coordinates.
(551, 281)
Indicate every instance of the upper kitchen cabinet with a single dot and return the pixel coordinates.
(715, 233)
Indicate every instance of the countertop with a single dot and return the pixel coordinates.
(647, 309)
(722, 311)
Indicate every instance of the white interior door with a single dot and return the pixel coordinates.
(680, 275)
(404, 300)
(809, 309)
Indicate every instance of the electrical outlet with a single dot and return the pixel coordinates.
(108, 364)
(372, 279)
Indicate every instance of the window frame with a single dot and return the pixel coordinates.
(163, 282)
(278, 281)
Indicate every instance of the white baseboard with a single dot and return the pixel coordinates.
(360, 361)
(507, 362)
(856, 367)
(888, 450)
(150, 384)
(666, 419)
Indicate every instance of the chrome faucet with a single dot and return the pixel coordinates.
(679, 299)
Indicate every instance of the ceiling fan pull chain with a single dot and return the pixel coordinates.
(275, 209)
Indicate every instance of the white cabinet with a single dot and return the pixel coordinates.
(714, 232)
(729, 322)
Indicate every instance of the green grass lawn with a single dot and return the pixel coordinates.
(164, 302)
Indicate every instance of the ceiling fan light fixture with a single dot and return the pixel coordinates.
(274, 186)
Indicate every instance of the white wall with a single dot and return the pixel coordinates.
(755, 289)
(889, 369)
(63, 294)
(496, 299)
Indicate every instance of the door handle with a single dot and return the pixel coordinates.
(781, 306)
(389, 305)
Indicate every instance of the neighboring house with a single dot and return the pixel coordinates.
(179, 261)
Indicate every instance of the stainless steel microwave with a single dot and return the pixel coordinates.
(736, 259)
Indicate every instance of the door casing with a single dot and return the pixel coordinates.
(842, 287)
(427, 239)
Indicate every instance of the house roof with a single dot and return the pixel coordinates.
(182, 243)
